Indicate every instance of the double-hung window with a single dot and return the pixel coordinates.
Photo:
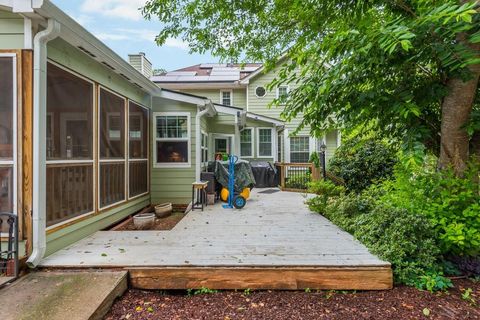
(299, 149)
(226, 97)
(246, 142)
(138, 149)
(265, 142)
(282, 93)
(172, 139)
(8, 107)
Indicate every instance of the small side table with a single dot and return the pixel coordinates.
(200, 188)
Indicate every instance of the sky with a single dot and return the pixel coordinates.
(120, 25)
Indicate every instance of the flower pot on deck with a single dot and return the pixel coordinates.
(144, 220)
(163, 210)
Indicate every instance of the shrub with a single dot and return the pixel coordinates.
(451, 204)
(361, 163)
(325, 190)
(298, 181)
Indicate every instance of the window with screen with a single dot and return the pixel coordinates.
(8, 106)
(112, 148)
(299, 149)
(246, 142)
(226, 98)
(282, 93)
(69, 145)
(138, 149)
(172, 139)
(265, 142)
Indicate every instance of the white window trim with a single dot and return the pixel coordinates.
(309, 145)
(258, 142)
(187, 164)
(204, 147)
(123, 160)
(252, 143)
(147, 132)
(13, 162)
(83, 161)
(261, 97)
(231, 96)
(277, 93)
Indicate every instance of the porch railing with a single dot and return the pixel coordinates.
(296, 176)
(8, 247)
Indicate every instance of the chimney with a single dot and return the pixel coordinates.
(141, 63)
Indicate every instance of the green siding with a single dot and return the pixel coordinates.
(173, 184)
(331, 143)
(239, 95)
(11, 30)
(63, 53)
(68, 235)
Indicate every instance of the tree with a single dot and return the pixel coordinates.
(408, 69)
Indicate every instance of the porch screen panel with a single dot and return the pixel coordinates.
(69, 145)
(112, 148)
(138, 149)
(7, 133)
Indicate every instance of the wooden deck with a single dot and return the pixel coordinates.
(275, 242)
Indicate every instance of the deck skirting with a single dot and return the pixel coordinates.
(274, 278)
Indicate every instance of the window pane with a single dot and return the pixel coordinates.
(138, 123)
(69, 115)
(112, 183)
(246, 135)
(6, 189)
(265, 142)
(69, 191)
(112, 125)
(226, 98)
(172, 126)
(6, 107)
(172, 151)
(138, 178)
(299, 149)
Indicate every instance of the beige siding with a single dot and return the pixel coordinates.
(11, 31)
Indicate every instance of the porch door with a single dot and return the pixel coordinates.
(8, 136)
(223, 145)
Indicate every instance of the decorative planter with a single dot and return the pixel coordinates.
(144, 220)
(163, 210)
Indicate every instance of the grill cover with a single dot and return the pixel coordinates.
(265, 174)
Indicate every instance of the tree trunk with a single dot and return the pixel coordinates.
(456, 109)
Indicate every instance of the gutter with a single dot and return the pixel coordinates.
(39, 241)
(210, 110)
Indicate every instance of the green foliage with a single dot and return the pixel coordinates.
(202, 290)
(315, 159)
(468, 296)
(361, 163)
(298, 181)
(325, 191)
(433, 281)
(392, 59)
(451, 204)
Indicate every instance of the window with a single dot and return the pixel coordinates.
(112, 148)
(226, 97)
(246, 142)
(265, 142)
(282, 93)
(280, 147)
(172, 138)
(299, 149)
(8, 106)
(138, 149)
(260, 92)
(204, 147)
(69, 145)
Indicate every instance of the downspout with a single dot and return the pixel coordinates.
(198, 141)
(39, 242)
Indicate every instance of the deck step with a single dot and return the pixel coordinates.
(62, 295)
(275, 278)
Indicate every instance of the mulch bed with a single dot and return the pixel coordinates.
(400, 303)
(166, 223)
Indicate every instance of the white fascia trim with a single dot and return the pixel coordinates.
(255, 116)
(227, 110)
(76, 35)
(178, 96)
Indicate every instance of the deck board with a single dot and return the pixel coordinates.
(273, 231)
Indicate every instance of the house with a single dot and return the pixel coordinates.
(87, 138)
